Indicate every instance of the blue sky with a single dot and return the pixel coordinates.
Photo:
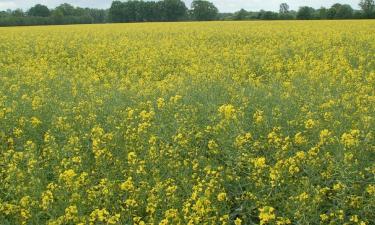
(223, 5)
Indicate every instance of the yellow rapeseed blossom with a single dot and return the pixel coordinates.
(310, 124)
(266, 214)
(237, 221)
(228, 111)
(221, 196)
(188, 123)
(127, 185)
(350, 139)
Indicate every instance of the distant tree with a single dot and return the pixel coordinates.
(98, 15)
(174, 10)
(116, 12)
(57, 16)
(78, 11)
(18, 13)
(3, 14)
(268, 15)
(226, 16)
(284, 12)
(139, 11)
(39, 10)
(130, 11)
(240, 15)
(151, 12)
(204, 10)
(66, 9)
(339, 11)
(367, 7)
(331, 13)
(357, 14)
(336, 6)
(159, 11)
(344, 12)
(284, 8)
(322, 13)
(305, 13)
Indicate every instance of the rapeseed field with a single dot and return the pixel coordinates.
(188, 123)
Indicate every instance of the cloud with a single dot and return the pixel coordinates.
(7, 5)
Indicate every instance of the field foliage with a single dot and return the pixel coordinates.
(188, 123)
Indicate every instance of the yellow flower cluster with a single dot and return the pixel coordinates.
(188, 123)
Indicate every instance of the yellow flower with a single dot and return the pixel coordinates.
(71, 213)
(304, 196)
(324, 217)
(354, 219)
(241, 140)
(283, 221)
(300, 139)
(132, 157)
(36, 103)
(160, 103)
(127, 185)
(68, 176)
(221, 196)
(131, 202)
(350, 139)
(47, 199)
(266, 214)
(228, 111)
(237, 221)
(35, 121)
(371, 189)
(324, 135)
(258, 116)
(212, 145)
(260, 162)
(114, 219)
(338, 186)
(309, 124)
(293, 169)
(164, 222)
(102, 215)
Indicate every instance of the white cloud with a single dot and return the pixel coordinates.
(7, 5)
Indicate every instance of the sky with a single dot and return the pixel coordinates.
(223, 5)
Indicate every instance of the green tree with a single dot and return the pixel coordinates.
(331, 13)
(284, 12)
(204, 10)
(284, 8)
(98, 15)
(267, 15)
(66, 9)
(18, 13)
(344, 12)
(39, 10)
(367, 7)
(116, 12)
(174, 10)
(152, 11)
(3, 14)
(240, 15)
(322, 13)
(305, 13)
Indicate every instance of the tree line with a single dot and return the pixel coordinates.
(173, 10)
(336, 11)
(166, 10)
